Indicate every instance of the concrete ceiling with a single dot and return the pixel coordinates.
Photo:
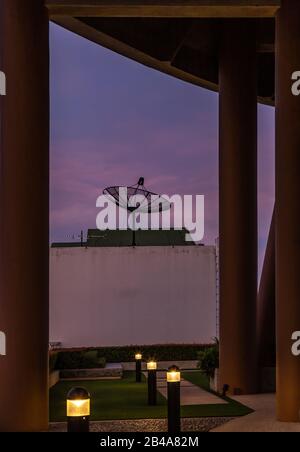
(177, 37)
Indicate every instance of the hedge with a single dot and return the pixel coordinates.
(73, 358)
(53, 361)
(85, 359)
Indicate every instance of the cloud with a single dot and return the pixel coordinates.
(114, 120)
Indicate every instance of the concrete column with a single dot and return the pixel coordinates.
(238, 206)
(266, 305)
(24, 207)
(287, 209)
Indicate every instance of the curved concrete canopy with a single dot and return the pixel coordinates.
(177, 37)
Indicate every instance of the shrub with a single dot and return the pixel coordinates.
(73, 359)
(53, 361)
(88, 359)
(209, 360)
(157, 352)
(91, 360)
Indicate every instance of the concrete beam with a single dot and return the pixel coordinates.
(166, 8)
(77, 26)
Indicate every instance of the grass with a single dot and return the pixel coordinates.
(110, 399)
(198, 379)
(125, 399)
(231, 409)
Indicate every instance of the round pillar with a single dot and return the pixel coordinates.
(266, 305)
(287, 209)
(238, 206)
(24, 204)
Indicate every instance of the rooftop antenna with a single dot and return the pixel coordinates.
(79, 236)
(151, 203)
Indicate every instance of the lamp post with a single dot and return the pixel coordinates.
(138, 367)
(173, 380)
(78, 410)
(152, 385)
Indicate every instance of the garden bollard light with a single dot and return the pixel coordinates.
(138, 367)
(173, 380)
(152, 382)
(78, 410)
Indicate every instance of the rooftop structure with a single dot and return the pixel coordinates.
(118, 238)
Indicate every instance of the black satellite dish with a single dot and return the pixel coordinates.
(150, 202)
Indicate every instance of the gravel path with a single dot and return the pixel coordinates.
(150, 425)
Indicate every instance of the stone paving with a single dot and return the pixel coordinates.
(190, 393)
(162, 365)
(262, 420)
(148, 425)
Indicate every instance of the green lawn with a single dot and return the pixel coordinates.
(231, 409)
(125, 399)
(110, 399)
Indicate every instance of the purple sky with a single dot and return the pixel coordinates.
(114, 120)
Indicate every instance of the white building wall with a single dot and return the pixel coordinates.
(126, 296)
